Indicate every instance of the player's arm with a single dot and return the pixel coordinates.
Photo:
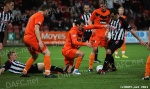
(76, 42)
(2, 70)
(126, 26)
(5, 67)
(92, 18)
(37, 33)
(89, 27)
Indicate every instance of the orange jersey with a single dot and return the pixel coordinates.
(74, 39)
(100, 18)
(35, 19)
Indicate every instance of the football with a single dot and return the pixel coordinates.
(99, 67)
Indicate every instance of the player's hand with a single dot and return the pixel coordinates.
(142, 43)
(88, 44)
(148, 46)
(10, 25)
(106, 26)
(93, 31)
(1, 71)
(41, 45)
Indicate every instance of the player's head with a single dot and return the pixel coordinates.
(79, 23)
(103, 5)
(114, 14)
(45, 9)
(9, 4)
(12, 55)
(86, 8)
(120, 10)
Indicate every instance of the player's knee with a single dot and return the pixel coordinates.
(95, 49)
(108, 51)
(35, 56)
(81, 54)
(47, 53)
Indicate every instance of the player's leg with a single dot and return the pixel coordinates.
(147, 69)
(68, 65)
(95, 42)
(2, 35)
(116, 54)
(29, 63)
(1, 47)
(123, 48)
(47, 63)
(40, 67)
(79, 57)
(112, 46)
(96, 57)
(92, 57)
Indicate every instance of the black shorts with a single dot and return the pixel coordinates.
(114, 45)
(2, 35)
(34, 69)
(87, 35)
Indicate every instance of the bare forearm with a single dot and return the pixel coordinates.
(149, 35)
(135, 35)
(37, 33)
(89, 22)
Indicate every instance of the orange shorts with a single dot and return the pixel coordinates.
(98, 41)
(69, 55)
(33, 46)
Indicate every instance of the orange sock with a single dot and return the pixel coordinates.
(147, 69)
(47, 64)
(78, 62)
(91, 61)
(28, 65)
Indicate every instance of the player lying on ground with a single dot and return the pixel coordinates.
(17, 67)
(147, 68)
(73, 42)
(118, 25)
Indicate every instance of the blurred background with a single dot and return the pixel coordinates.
(63, 12)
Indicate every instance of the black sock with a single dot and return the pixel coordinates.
(112, 63)
(96, 55)
(56, 69)
(107, 61)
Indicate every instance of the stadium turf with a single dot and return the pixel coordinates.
(128, 76)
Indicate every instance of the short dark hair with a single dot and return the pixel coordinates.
(114, 11)
(79, 21)
(86, 4)
(10, 53)
(104, 2)
(44, 7)
(7, 2)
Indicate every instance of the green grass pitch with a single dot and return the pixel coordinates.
(128, 76)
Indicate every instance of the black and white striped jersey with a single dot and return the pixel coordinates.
(5, 18)
(86, 17)
(14, 66)
(117, 28)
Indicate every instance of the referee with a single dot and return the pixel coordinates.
(5, 19)
(87, 33)
(118, 25)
